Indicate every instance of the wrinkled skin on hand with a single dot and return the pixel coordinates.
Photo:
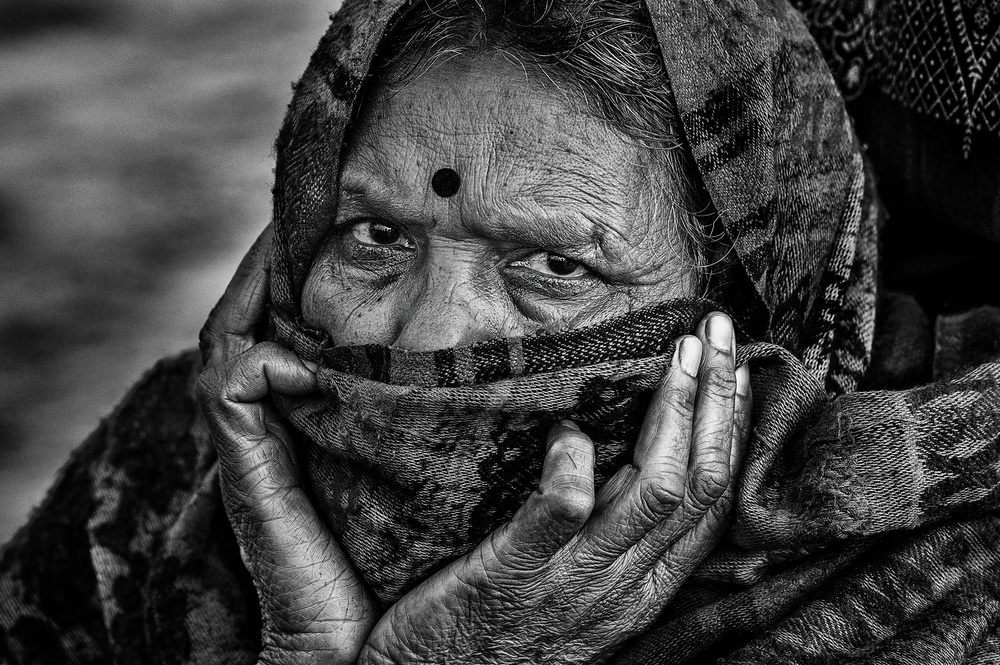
(574, 573)
(314, 605)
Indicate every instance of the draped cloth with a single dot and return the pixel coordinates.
(773, 146)
(865, 526)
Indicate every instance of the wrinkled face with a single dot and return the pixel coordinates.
(554, 220)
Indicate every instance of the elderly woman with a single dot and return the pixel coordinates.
(479, 430)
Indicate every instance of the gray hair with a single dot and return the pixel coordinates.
(607, 48)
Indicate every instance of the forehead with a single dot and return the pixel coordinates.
(513, 137)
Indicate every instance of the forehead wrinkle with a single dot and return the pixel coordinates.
(529, 221)
(588, 197)
(570, 189)
(580, 175)
(379, 180)
(366, 189)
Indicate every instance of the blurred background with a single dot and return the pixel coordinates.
(135, 170)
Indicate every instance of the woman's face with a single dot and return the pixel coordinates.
(558, 221)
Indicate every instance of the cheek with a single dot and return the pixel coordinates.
(682, 282)
(350, 315)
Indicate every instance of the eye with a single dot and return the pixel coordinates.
(555, 265)
(381, 234)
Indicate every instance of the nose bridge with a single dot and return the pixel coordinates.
(447, 312)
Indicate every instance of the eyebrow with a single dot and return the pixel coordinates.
(550, 220)
(372, 194)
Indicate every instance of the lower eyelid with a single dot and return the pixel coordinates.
(529, 279)
(373, 258)
(383, 252)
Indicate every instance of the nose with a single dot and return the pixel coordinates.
(450, 310)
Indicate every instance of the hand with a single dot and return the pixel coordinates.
(233, 324)
(315, 607)
(571, 577)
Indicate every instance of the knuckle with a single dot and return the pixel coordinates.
(720, 382)
(709, 483)
(574, 446)
(206, 386)
(208, 337)
(245, 374)
(744, 415)
(569, 503)
(268, 347)
(661, 497)
(680, 399)
(208, 344)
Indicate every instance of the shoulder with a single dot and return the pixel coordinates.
(150, 447)
(87, 546)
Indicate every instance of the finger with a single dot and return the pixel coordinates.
(743, 420)
(230, 327)
(690, 549)
(712, 438)
(256, 456)
(663, 448)
(309, 591)
(696, 543)
(274, 521)
(554, 513)
(638, 497)
(693, 546)
(669, 572)
(231, 397)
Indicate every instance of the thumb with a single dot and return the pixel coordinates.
(560, 506)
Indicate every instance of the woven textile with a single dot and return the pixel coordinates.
(417, 457)
(938, 57)
(865, 527)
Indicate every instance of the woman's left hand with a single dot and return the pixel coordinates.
(315, 608)
(569, 579)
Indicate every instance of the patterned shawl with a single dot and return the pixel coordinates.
(865, 527)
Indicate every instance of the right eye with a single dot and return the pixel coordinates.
(381, 234)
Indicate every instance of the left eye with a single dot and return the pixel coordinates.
(554, 265)
(381, 234)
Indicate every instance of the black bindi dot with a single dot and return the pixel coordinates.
(446, 182)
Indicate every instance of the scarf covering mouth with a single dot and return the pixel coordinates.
(416, 457)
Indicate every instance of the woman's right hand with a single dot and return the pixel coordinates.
(315, 607)
(575, 573)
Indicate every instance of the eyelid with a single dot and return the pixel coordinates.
(349, 228)
(529, 253)
(527, 282)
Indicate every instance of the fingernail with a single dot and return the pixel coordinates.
(311, 366)
(720, 333)
(743, 380)
(690, 355)
(570, 424)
